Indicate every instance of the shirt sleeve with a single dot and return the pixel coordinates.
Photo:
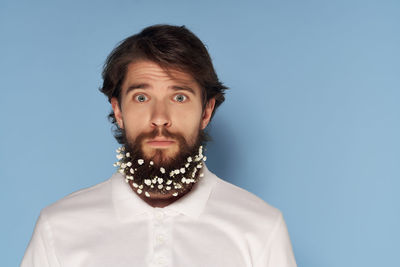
(40, 251)
(278, 250)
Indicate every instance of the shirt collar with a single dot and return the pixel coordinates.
(128, 204)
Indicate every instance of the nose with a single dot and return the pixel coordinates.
(160, 115)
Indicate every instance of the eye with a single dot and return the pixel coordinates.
(180, 98)
(141, 98)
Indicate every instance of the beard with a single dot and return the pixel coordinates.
(158, 174)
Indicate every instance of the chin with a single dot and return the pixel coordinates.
(161, 156)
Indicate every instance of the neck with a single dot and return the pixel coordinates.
(161, 200)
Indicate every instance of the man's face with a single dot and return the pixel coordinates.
(153, 100)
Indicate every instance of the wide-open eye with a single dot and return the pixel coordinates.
(180, 98)
(140, 98)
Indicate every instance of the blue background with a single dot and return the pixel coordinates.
(311, 123)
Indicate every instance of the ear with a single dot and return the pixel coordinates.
(207, 113)
(117, 112)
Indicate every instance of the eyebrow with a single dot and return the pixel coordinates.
(146, 86)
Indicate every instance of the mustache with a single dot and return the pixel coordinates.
(160, 132)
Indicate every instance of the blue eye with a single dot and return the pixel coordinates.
(141, 98)
(180, 98)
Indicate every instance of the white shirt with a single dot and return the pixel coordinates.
(216, 224)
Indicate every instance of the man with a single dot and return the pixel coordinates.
(163, 207)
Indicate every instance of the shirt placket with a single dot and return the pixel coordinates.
(161, 238)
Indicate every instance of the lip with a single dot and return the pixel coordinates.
(160, 142)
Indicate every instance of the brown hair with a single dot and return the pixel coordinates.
(169, 46)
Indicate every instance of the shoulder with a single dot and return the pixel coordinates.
(243, 201)
(81, 202)
(244, 215)
(242, 209)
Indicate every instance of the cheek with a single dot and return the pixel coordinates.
(187, 122)
(135, 122)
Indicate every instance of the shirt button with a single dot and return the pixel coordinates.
(160, 260)
(160, 239)
(159, 215)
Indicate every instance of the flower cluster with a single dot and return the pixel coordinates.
(163, 182)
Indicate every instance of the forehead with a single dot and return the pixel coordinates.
(150, 72)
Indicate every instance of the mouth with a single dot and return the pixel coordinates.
(160, 142)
